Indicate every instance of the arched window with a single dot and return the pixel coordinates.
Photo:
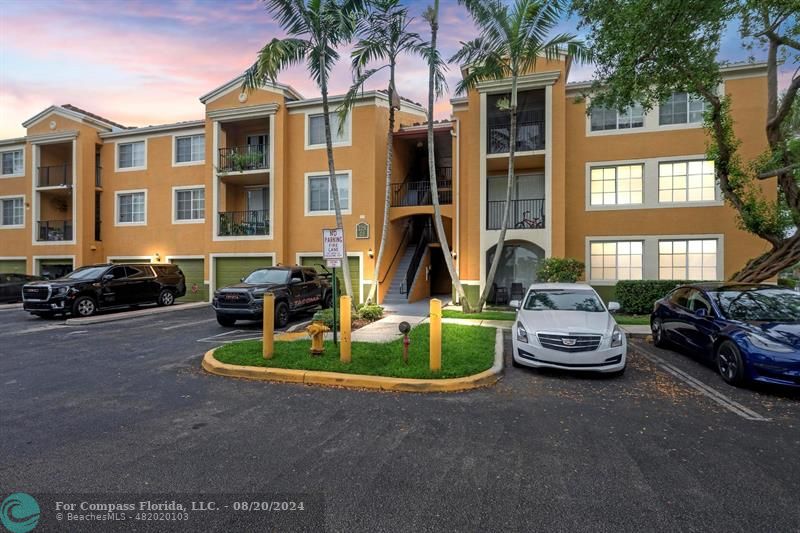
(518, 267)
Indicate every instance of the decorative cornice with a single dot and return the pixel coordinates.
(49, 138)
(236, 113)
(149, 130)
(529, 81)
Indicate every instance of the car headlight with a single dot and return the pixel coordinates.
(616, 337)
(58, 291)
(766, 344)
(522, 335)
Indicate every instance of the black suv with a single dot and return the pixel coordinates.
(295, 289)
(84, 291)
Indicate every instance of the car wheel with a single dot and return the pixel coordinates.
(659, 337)
(84, 306)
(281, 315)
(166, 297)
(730, 363)
(226, 321)
(327, 303)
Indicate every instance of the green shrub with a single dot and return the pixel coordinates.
(370, 312)
(560, 270)
(326, 317)
(637, 297)
(787, 282)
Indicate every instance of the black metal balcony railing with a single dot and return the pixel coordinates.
(530, 137)
(410, 193)
(235, 223)
(55, 176)
(523, 214)
(54, 230)
(241, 158)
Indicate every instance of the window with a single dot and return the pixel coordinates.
(12, 162)
(681, 108)
(688, 260)
(686, 181)
(190, 148)
(619, 185)
(316, 130)
(12, 211)
(131, 208)
(131, 155)
(190, 204)
(610, 119)
(320, 200)
(616, 260)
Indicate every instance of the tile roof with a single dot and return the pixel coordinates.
(92, 115)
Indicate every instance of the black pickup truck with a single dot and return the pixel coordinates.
(295, 289)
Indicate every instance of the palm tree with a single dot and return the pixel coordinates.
(436, 88)
(383, 36)
(511, 40)
(315, 29)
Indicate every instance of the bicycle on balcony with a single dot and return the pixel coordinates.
(529, 223)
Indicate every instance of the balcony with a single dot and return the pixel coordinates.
(244, 158)
(243, 223)
(55, 176)
(530, 137)
(413, 193)
(524, 214)
(54, 230)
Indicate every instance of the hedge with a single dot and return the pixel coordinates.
(637, 297)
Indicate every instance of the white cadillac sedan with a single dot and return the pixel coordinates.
(566, 325)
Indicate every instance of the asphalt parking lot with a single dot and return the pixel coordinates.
(124, 407)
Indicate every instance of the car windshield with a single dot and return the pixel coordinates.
(267, 276)
(563, 300)
(760, 305)
(86, 273)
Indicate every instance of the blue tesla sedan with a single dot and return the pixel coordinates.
(748, 331)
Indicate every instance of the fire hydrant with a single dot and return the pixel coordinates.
(317, 331)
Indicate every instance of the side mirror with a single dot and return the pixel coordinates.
(701, 313)
(241, 280)
(613, 307)
(514, 303)
(296, 280)
(108, 277)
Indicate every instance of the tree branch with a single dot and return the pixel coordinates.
(778, 171)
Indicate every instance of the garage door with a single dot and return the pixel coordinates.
(54, 268)
(12, 266)
(229, 270)
(196, 290)
(355, 273)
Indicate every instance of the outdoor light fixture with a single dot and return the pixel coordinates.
(156, 258)
(370, 253)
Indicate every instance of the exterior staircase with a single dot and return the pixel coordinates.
(394, 296)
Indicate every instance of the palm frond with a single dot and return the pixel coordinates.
(276, 55)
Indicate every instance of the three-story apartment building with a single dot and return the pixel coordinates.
(630, 194)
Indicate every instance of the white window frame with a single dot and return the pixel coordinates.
(616, 168)
(686, 267)
(16, 148)
(689, 98)
(687, 202)
(617, 120)
(175, 191)
(12, 197)
(181, 135)
(321, 174)
(348, 130)
(650, 252)
(117, 194)
(117, 144)
(616, 256)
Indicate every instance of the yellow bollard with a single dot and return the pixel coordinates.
(344, 328)
(436, 335)
(268, 344)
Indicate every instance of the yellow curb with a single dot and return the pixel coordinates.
(360, 381)
(291, 336)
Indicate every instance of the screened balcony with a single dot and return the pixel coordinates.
(530, 122)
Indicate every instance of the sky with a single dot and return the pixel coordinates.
(147, 62)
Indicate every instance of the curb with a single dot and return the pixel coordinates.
(360, 381)
(99, 319)
(10, 307)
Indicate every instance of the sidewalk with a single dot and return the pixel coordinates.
(637, 330)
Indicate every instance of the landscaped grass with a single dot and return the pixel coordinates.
(466, 350)
(632, 320)
(486, 315)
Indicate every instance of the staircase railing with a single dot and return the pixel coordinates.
(401, 246)
(426, 237)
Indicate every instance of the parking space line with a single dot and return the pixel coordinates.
(721, 399)
(35, 329)
(187, 324)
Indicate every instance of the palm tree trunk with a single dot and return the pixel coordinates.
(512, 142)
(437, 210)
(389, 155)
(334, 185)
